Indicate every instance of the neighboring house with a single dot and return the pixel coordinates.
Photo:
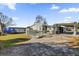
(39, 26)
(59, 28)
(15, 30)
(65, 27)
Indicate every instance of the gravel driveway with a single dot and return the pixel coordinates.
(39, 49)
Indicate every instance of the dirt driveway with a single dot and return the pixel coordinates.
(50, 45)
(61, 39)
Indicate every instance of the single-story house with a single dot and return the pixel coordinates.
(39, 26)
(63, 27)
(15, 30)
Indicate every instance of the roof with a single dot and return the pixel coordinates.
(66, 24)
(18, 27)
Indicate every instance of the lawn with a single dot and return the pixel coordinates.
(13, 39)
(16, 39)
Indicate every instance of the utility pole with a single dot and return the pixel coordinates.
(75, 28)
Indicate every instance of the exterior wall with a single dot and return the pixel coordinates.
(20, 30)
(14, 30)
(27, 31)
(50, 29)
(37, 26)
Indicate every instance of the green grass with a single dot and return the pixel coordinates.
(13, 39)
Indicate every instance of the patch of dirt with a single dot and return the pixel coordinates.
(72, 41)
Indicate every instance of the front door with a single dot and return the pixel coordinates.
(60, 30)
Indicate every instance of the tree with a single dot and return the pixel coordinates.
(4, 22)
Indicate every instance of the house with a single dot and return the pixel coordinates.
(59, 28)
(66, 27)
(15, 30)
(39, 26)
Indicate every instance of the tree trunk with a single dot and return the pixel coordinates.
(2, 29)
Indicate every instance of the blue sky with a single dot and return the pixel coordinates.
(24, 14)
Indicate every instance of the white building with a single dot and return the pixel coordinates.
(40, 25)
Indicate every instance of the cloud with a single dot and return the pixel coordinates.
(69, 10)
(70, 19)
(15, 18)
(54, 7)
(67, 19)
(11, 6)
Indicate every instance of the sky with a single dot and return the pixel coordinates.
(24, 14)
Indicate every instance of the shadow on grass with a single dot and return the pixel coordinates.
(11, 42)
